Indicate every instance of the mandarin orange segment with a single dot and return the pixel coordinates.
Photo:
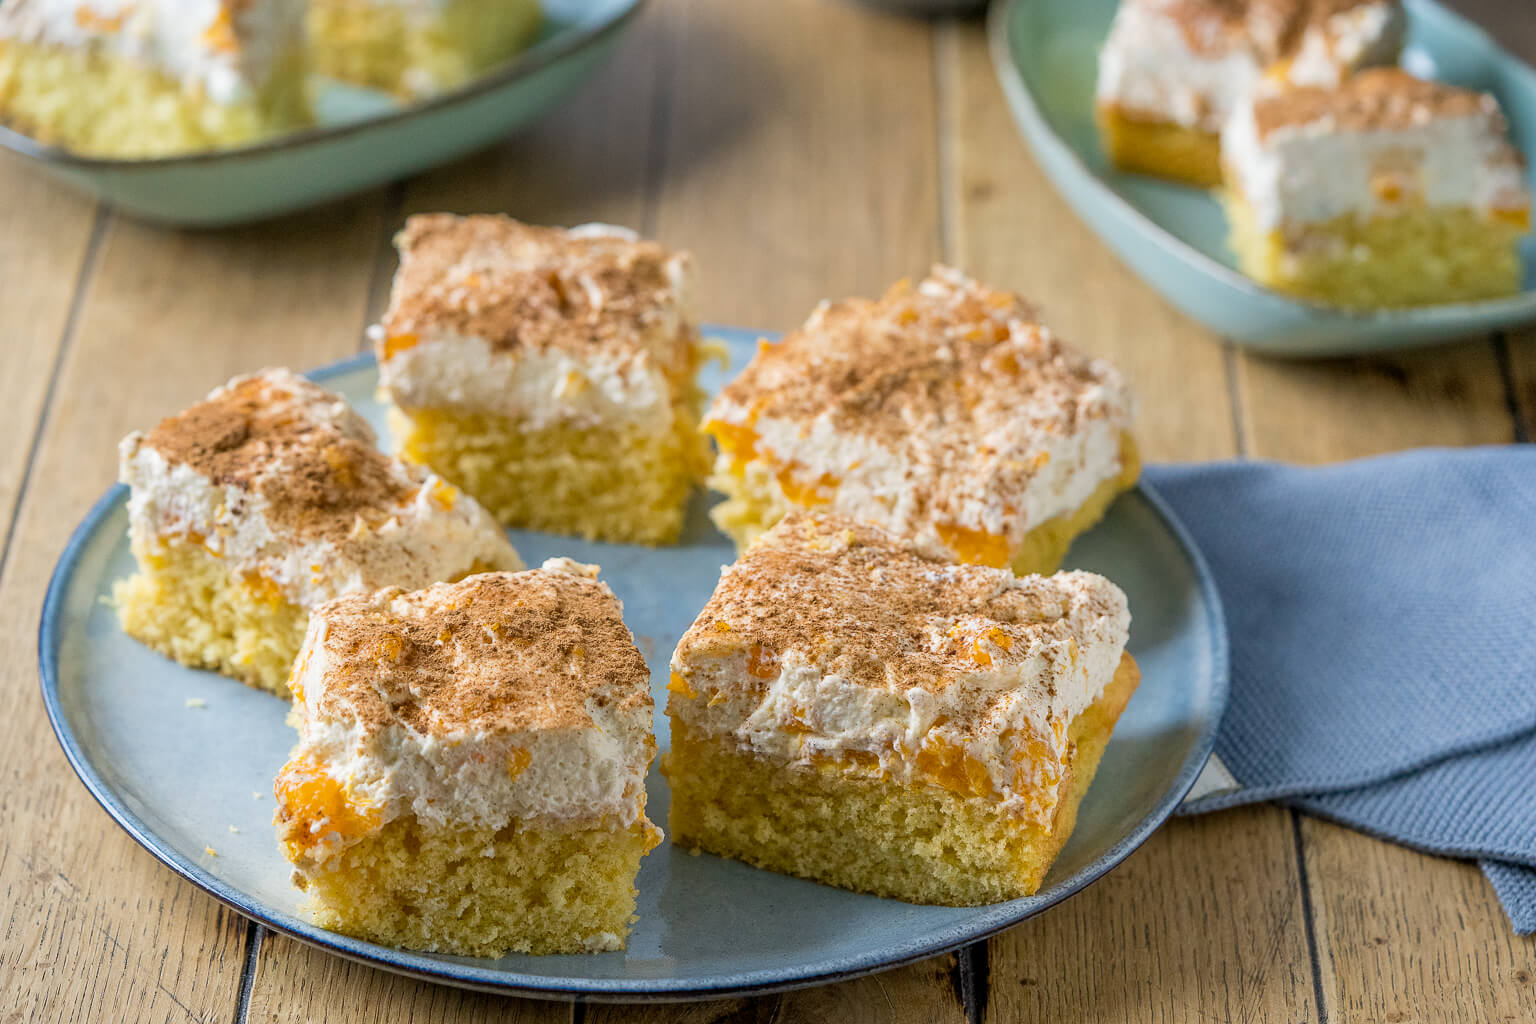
(975, 547)
(321, 805)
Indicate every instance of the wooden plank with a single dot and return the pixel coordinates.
(1320, 411)
(924, 993)
(800, 161)
(1403, 937)
(799, 165)
(1520, 352)
(295, 982)
(92, 928)
(42, 252)
(1205, 920)
(1399, 935)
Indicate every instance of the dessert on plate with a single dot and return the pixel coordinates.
(1172, 71)
(1385, 191)
(945, 413)
(151, 78)
(470, 772)
(848, 710)
(265, 499)
(417, 47)
(548, 372)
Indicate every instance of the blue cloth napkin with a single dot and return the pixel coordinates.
(1382, 619)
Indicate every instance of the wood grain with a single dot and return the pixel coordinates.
(1158, 940)
(924, 993)
(801, 159)
(1321, 411)
(42, 254)
(92, 928)
(1400, 936)
(295, 982)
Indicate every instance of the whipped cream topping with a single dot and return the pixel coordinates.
(532, 705)
(584, 326)
(420, 530)
(1321, 167)
(986, 422)
(224, 47)
(1191, 63)
(830, 639)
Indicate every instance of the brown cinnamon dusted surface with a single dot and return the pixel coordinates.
(931, 370)
(1271, 29)
(862, 605)
(1379, 99)
(296, 444)
(520, 286)
(499, 652)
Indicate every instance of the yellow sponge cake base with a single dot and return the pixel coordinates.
(403, 51)
(919, 843)
(482, 891)
(1417, 257)
(101, 105)
(1164, 149)
(185, 603)
(602, 483)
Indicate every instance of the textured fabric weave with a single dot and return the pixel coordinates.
(1382, 618)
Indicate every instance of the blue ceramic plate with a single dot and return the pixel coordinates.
(363, 138)
(176, 777)
(1045, 53)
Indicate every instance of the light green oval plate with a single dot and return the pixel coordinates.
(1045, 53)
(363, 138)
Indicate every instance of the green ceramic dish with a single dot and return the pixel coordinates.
(363, 139)
(1046, 55)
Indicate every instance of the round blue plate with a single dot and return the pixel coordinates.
(177, 775)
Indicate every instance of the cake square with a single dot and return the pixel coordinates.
(1387, 190)
(849, 711)
(416, 49)
(151, 78)
(548, 372)
(945, 413)
(470, 771)
(265, 499)
(1172, 71)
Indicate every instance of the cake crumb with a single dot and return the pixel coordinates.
(255, 794)
(234, 830)
(210, 851)
(196, 702)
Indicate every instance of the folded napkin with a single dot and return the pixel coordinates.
(1382, 619)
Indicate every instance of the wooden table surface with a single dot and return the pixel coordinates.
(802, 149)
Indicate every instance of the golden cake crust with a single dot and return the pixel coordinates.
(521, 286)
(494, 653)
(864, 606)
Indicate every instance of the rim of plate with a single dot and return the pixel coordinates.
(989, 921)
(1021, 98)
(536, 58)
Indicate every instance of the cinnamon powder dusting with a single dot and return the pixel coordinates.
(295, 444)
(499, 652)
(860, 604)
(520, 286)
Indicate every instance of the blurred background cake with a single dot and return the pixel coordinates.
(148, 78)
(417, 47)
